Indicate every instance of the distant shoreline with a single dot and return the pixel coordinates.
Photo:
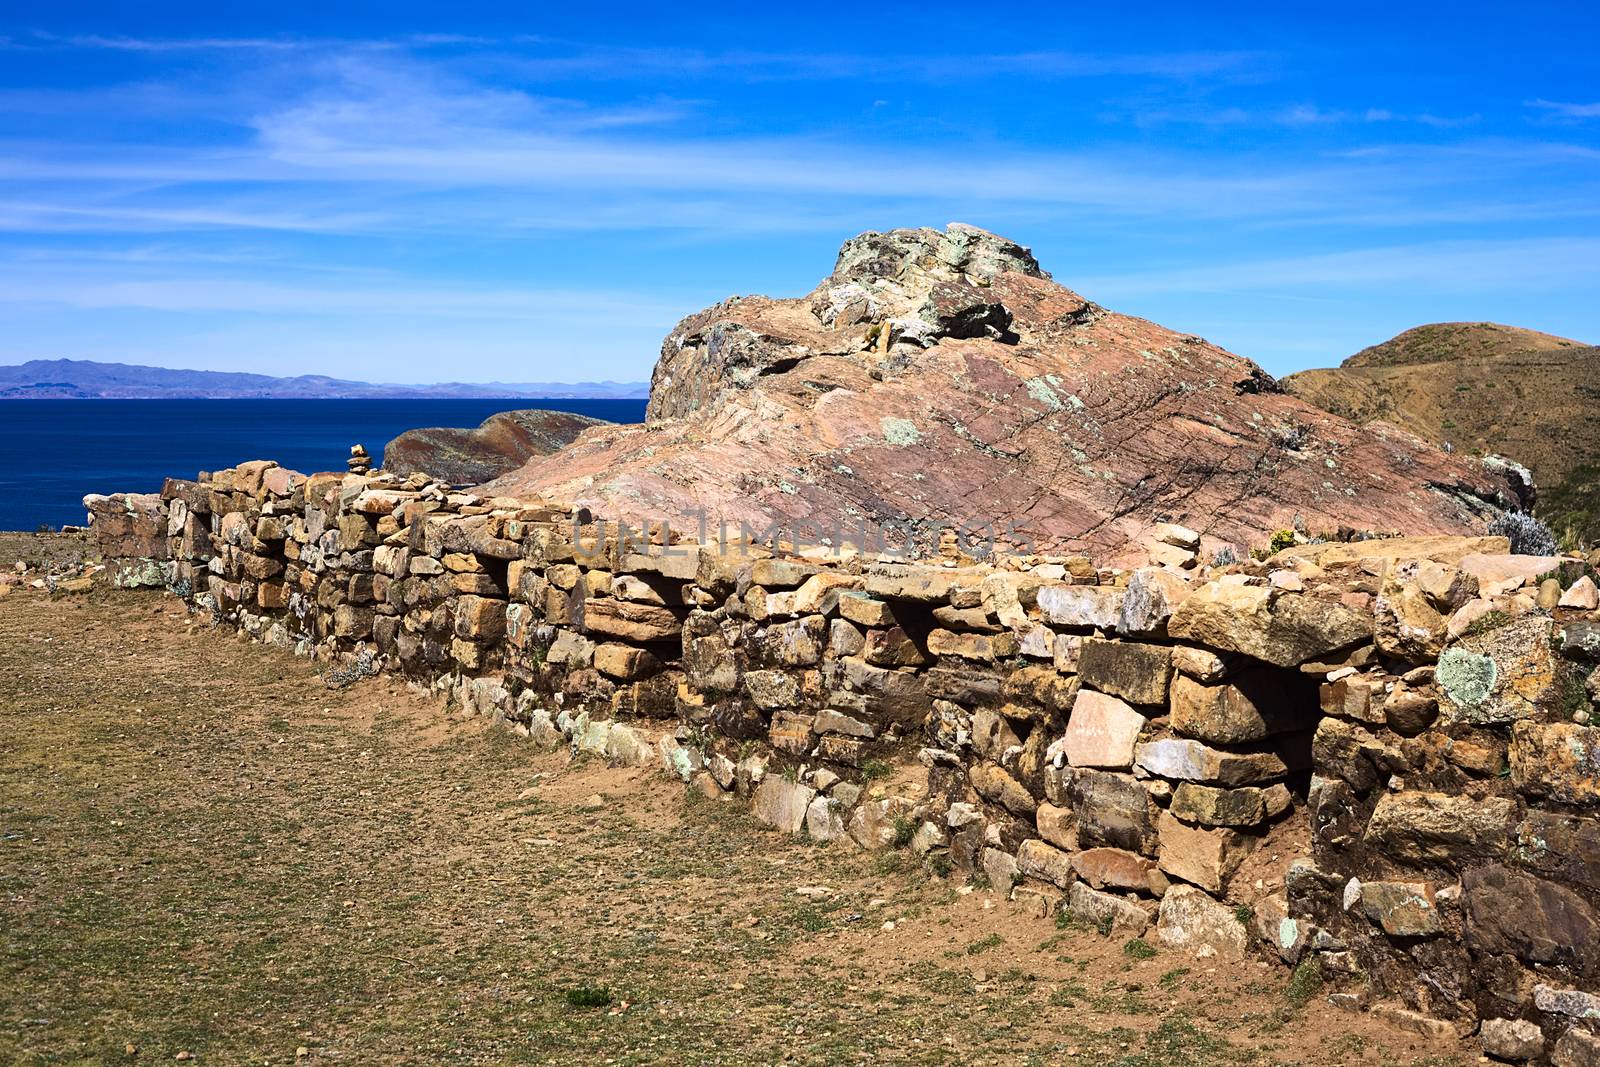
(76, 379)
(53, 452)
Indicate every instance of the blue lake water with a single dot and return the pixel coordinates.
(52, 452)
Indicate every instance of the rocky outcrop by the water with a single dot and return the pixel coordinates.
(501, 443)
(941, 379)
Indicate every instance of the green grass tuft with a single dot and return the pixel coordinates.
(587, 996)
(1305, 982)
(984, 944)
(874, 769)
(1139, 949)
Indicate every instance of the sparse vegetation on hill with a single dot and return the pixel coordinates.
(1440, 341)
(1572, 505)
(1484, 388)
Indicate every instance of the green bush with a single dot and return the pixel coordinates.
(1305, 982)
(874, 769)
(585, 996)
(1489, 620)
(1138, 949)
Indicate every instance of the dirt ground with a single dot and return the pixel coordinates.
(205, 854)
(43, 552)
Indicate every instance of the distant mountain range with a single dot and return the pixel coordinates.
(75, 379)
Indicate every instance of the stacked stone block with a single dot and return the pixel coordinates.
(1376, 757)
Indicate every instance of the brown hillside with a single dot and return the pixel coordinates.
(1439, 341)
(1481, 388)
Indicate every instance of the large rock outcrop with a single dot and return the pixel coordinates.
(941, 379)
(1484, 387)
(501, 443)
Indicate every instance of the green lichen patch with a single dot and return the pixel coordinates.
(1467, 677)
(1039, 389)
(902, 432)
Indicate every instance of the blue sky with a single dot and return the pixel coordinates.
(423, 192)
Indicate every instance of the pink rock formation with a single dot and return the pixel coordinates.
(942, 380)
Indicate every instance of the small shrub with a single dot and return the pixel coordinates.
(1225, 557)
(1176, 1039)
(984, 944)
(905, 828)
(888, 863)
(1281, 540)
(1069, 995)
(1244, 913)
(1567, 577)
(1574, 693)
(1305, 983)
(1170, 979)
(1292, 436)
(1489, 620)
(586, 996)
(874, 769)
(1528, 536)
(1138, 949)
(1063, 918)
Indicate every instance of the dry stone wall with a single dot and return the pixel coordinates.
(1375, 757)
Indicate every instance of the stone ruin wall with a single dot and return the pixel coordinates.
(1374, 757)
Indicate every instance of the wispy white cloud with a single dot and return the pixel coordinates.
(316, 158)
(550, 59)
(555, 59)
(1469, 266)
(1446, 122)
(214, 291)
(205, 213)
(1564, 111)
(284, 43)
(365, 132)
(1290, 116)
(381, 145)
(189, 44)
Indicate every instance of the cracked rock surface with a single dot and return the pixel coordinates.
(941, 379)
